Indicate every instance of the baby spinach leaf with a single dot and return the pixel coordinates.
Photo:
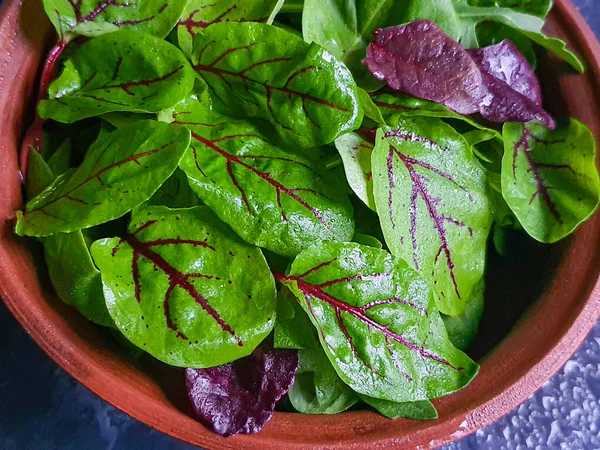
(463, 330)
(176, 192)
(94, 17)
(186, 289)
(200, 14)
(318, 389)
(293, 329)
(420, 410)
(549, 178)
(272, 198)
(377, 322)
(119, 172)
(257, 70)
(356, 152)
(137, 72)
(431, 196)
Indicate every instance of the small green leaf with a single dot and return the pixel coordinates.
(463, 330)
(293, 329)
(176, 193)
(420, 410)
(120, 171)
(370, 108)
(137, 72)
(60, 161)
(549, 178)
(261, 71)
(365, 239)
(539, 8)
(356, 153)
(184, 288)
(557, 46)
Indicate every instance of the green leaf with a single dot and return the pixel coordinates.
(94, 17)
(271, 197)
(539, 8)
(318, 389)
(549, 178)
(293, 329)
(39, 175)
(356, 153)
(119, 172)
(463, 330)
(420, 410)
(432, 200)
(137, 72)
(365, 239)
(261, 71)
(370, 108)
(557, 46)
(184, 288)
(200, 14)
(176, 192)
(377, 323)
(60, 161)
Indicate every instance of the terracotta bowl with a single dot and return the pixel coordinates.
(542, 301)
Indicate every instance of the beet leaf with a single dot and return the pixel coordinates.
(356, 153)
(419, 410)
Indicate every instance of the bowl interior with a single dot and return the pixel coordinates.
(541, 301)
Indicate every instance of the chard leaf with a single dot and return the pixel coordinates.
(356, 152)
(271, 197)
(185, 289)
(377, 322)
(420, 410)
(261, 71)
(120, 171)
(318, 389)
(293, 329)
(432, 200)
(94, 17)
(549, 178)
(200, 14)
(463, 330)
(125, 78)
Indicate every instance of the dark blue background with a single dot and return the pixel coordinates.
(43, 408)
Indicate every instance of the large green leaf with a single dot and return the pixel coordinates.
(184, 288)
(377, 323)
(120, 171)
(420, 410)
(257, 70)
(271, 197)
(432, 200)
(122, 71)
(200, 14)
(94, 17)
(549, 178)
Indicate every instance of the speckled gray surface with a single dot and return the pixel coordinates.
(54, 412)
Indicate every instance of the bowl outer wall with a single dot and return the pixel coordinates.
(546, 336)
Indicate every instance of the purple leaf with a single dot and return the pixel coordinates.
(240, 397)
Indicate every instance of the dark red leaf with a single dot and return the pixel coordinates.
(240, 397)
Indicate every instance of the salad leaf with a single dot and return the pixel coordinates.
(119, 172)
(60, 161)
(365, 239)
(549, 178)
(261, 71)
(200, 14)
(176, 192)
(240, 397)
(356, 152)
(318, 389)
(293, 329)
(137, 72)
(377, 323)
(539, 8)
(420, 410)
(271, 197)
(463, 330)
(94, 17)
(185, 289)
(432, 200)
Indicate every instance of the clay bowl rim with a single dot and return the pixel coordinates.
(461, 414)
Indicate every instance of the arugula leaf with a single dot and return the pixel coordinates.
(432, 200)
(137, 72)
(261, 71)
(119, 172)
(377, 323)
(293, 329)
(463, 330)
(200, 14)
(272, 198)
(549, 178)
(318, 389)
(420, 410)
(185, 289)
(94, 17)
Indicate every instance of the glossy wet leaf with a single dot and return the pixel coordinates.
(261, 71)
(356, 152)
(377, 322)
(136, 72)
(185, 289)
(271, 197)
(200, 14)
(365, 239)
(176, 192)
(420, 410)
(549, 178)
(432, 200)
(120, 171)
(463, 330)
(94, 17)
(293, 329)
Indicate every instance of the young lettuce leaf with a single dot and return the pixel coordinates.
(120, 171)
(271, 197)
(261, 71)
(549, 178)
(432, 200)
(185, 289)
(137, 72)
(377, 323)
(419, 410)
